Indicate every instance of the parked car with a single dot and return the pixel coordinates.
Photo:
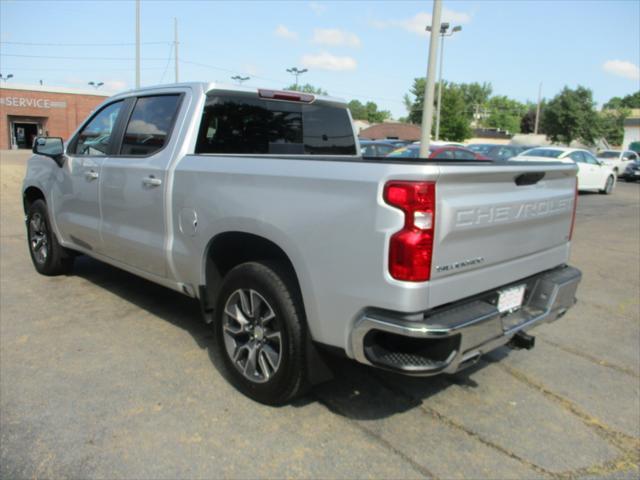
(376, 148)
(593, 174)
(481, 148)
(295, 244)
(632, 172)
(617, 159)
(437, 153)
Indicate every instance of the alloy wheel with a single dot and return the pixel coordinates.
(252, 336)
(38, 238)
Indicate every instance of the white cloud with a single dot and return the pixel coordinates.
(327, 61)
(115, 85)
(284, 32)
(250, 69)
(317, 7)
(622, 68)
(335, 37)
(418, 23)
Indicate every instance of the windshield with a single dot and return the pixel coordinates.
(405, 152)
(543, 152)
(479, 148)
(609, 154)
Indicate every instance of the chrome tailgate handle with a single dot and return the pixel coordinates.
(151, 181)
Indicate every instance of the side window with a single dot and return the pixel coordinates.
(444, 155)
(368, 151)
(630, 156)
(94, 138)
(150, 123)
(577, 157)
(384, 150)
(590, 158)
(460, 154)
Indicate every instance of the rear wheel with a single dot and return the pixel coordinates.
(48, 256)
(608, 186)
(260, 332)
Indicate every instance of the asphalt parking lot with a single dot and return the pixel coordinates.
(104, 375)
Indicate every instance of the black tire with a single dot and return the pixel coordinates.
(608, 186)
(48, 256)
(276, 292)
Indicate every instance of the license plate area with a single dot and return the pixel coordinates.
(511, 299)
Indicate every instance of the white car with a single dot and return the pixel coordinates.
(618, 159)
(593, 174)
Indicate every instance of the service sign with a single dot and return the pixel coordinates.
(22, 102)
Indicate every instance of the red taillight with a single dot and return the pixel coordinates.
(290, 96)
(575, 206)
(411, 249)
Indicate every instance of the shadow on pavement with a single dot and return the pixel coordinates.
(356, 391)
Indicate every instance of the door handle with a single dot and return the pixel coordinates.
(151, 181)
(91, 175)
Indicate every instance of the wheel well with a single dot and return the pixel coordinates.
(29, 196)
(230, 249)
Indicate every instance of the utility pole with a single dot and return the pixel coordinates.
(137, 43)
(535, 129)
(429, 88)
(444, 32)
(175, 44)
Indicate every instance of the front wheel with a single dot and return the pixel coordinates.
(260, 332)
(48, 256)
(608, 186)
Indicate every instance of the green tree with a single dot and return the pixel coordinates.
(629, 101)
(571, 115)
(612, 124)
(476, 95)
(368, 112)
(454, 121)
(505, 114)
(307, 88)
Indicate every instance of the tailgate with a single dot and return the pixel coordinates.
(492, 215)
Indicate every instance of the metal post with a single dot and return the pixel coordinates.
(535, 129)
(439, 89)
(137, 43)
(429, 88)
(175, 44)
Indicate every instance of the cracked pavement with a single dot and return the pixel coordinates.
(105, 375)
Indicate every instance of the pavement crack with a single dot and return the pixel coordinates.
(376, 437)
(457, 426)
(592, 358)
(630, 446)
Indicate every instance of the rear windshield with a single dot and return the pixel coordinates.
(233, 123)
(609, 154)
(543, 152)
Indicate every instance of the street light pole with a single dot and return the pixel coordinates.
(4, 79)
(175, 44)
(240, 79)
(429, 88)
(296, 72)
(443, 33)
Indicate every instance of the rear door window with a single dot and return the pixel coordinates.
(246, 124)
(149, 125)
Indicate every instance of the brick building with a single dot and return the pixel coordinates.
(29, 111)
(392, 131)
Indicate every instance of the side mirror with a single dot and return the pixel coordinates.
(52, 147)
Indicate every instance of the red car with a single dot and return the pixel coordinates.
(438, 153)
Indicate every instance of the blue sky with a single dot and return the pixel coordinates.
(365, 50)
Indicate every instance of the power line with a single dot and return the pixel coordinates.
(75, 58)
(166, 67)
(123, 44)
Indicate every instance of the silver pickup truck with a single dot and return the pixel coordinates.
(259, 204)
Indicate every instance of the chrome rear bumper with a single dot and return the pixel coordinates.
(449, 339)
